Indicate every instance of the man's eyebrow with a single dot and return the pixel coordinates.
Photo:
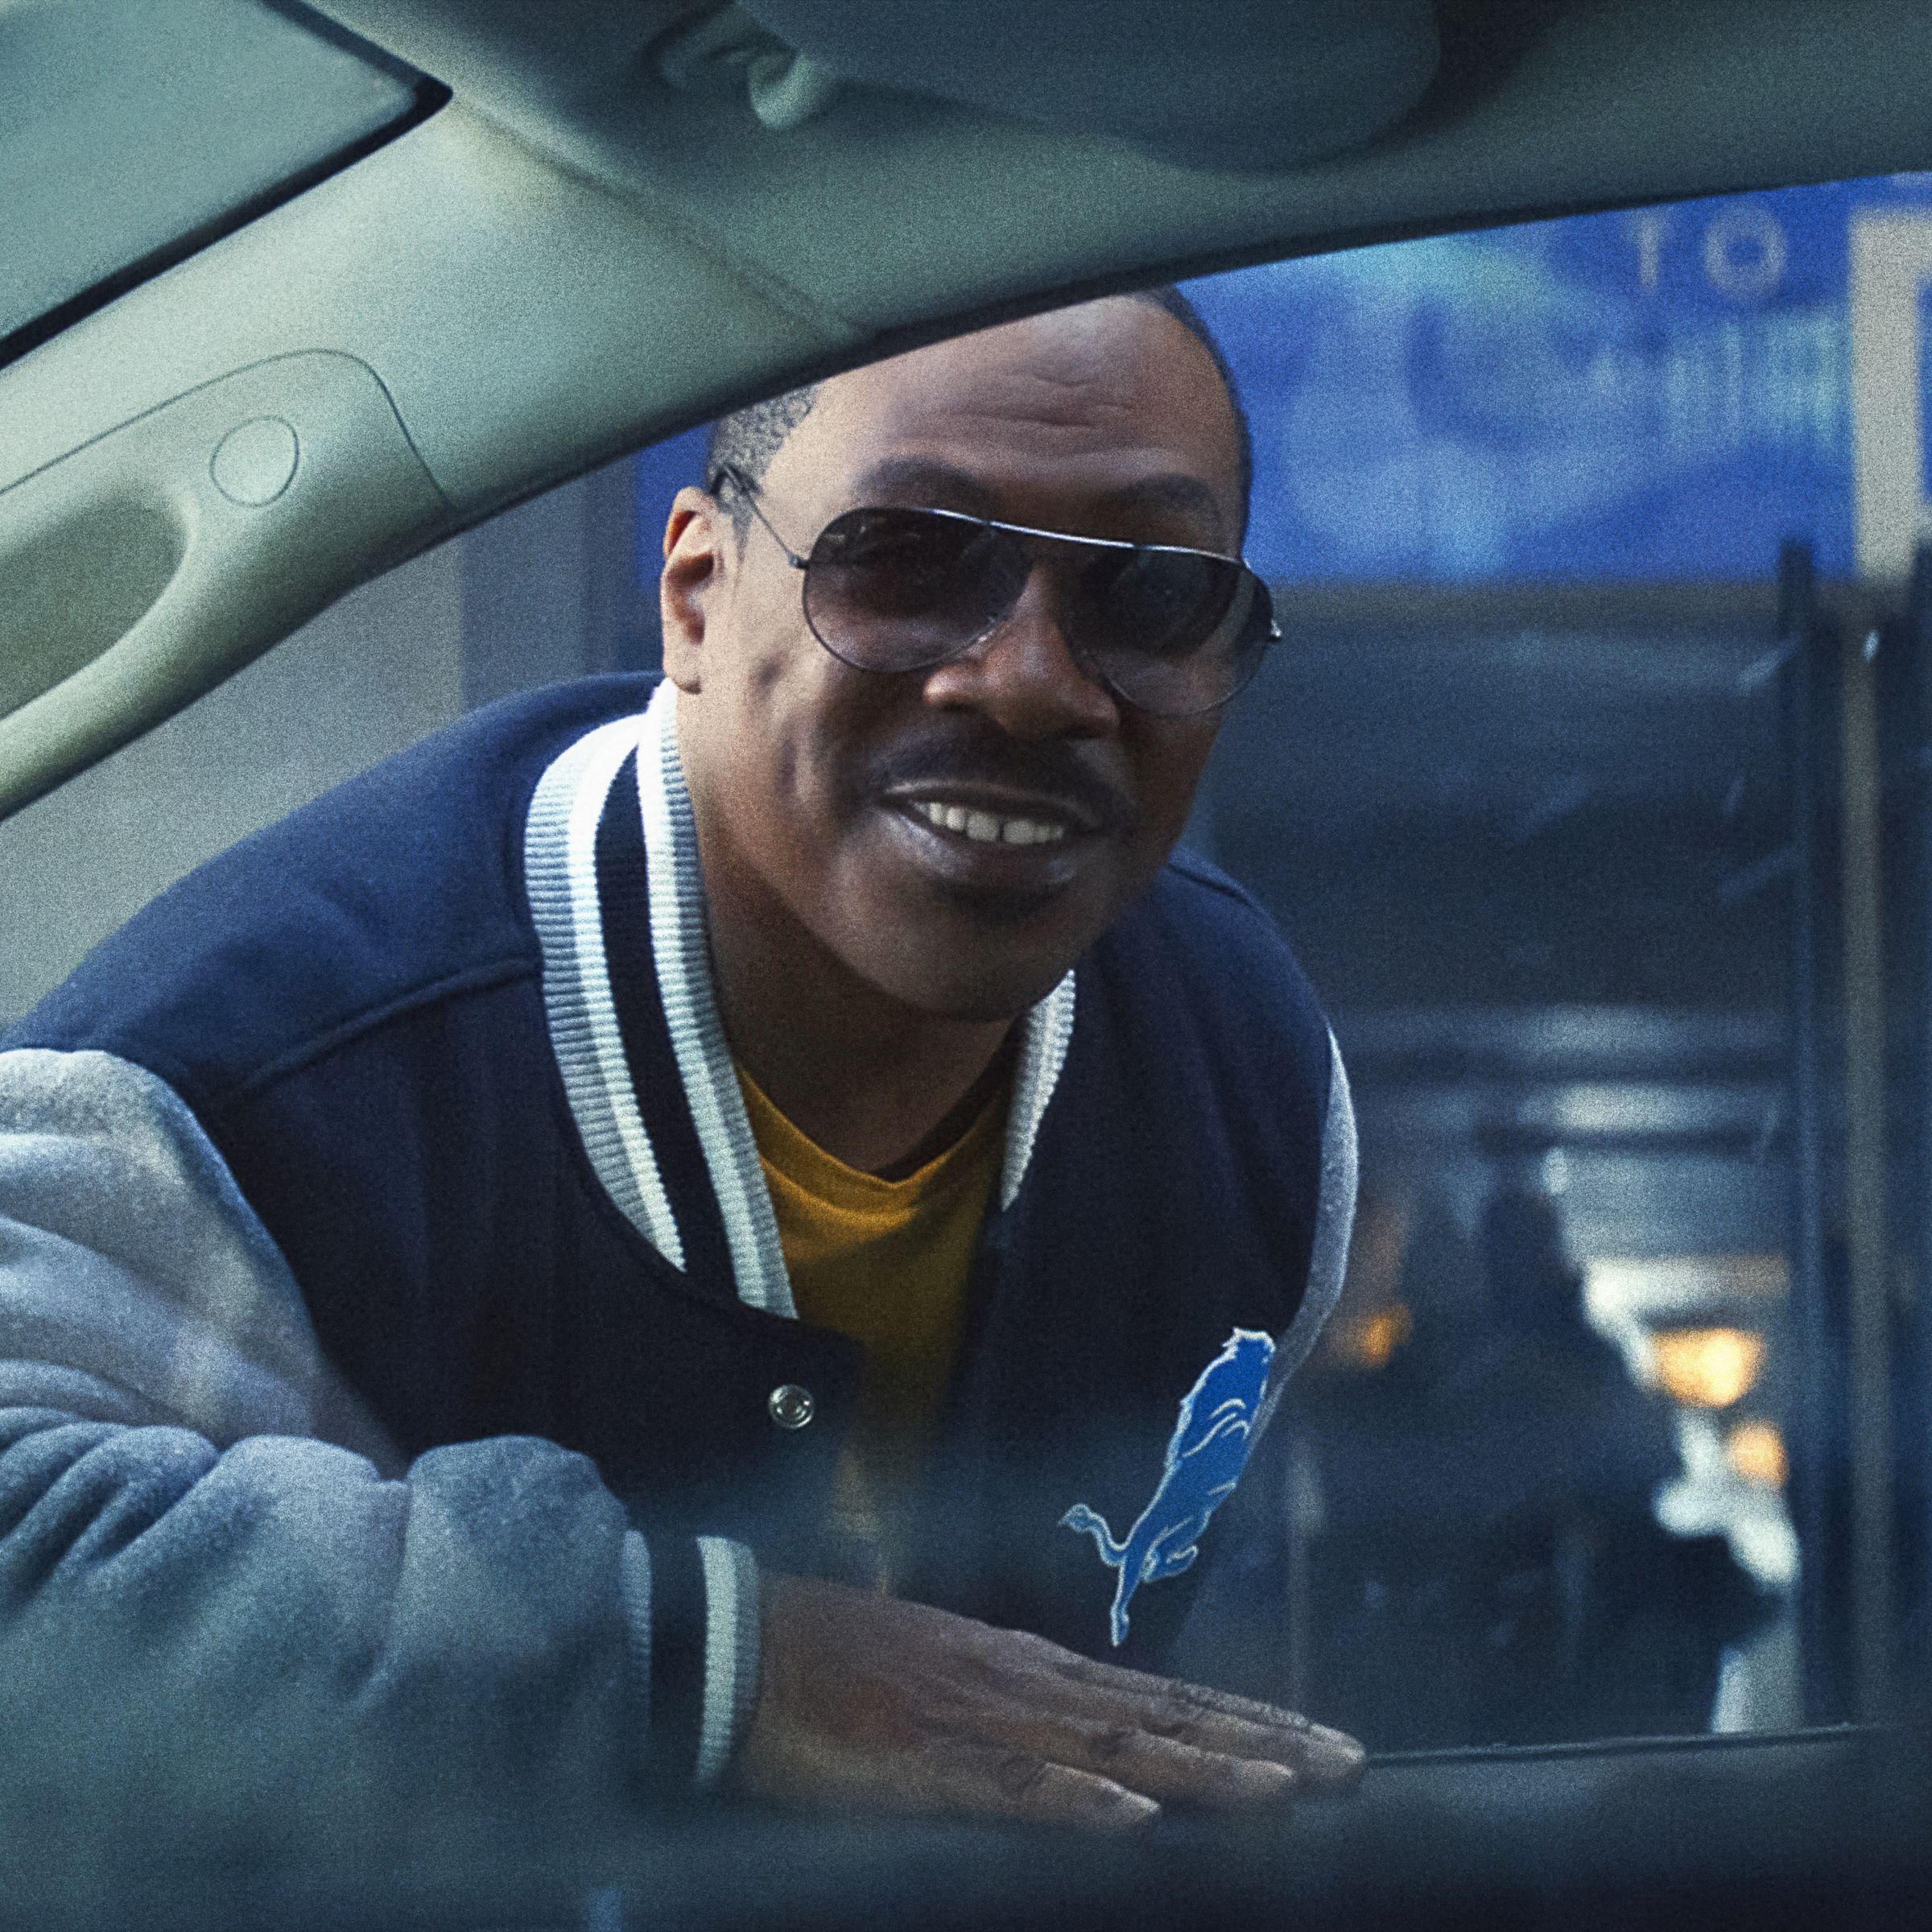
(1175, 491)
(921, 478)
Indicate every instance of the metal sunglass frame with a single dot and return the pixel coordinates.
(748, 488)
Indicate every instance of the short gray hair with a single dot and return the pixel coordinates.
(747, 439)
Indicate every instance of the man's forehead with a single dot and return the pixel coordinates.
(1117, 384)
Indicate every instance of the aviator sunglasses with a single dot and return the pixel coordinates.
(1172, 632)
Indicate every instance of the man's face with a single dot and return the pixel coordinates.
(814, 782)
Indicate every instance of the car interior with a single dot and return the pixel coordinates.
(351, 352)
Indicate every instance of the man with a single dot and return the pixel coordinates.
(408, 1219)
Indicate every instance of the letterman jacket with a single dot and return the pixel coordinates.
(396, 1351)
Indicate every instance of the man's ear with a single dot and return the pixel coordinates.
(697, 539)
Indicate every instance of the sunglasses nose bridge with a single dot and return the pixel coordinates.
(1012, 565)
(1016, 570)
(1061, 570)
(1023, 585)
(1035, 628)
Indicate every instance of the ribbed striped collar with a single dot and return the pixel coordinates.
(611, 868)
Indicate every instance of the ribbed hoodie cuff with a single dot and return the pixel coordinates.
(692, 1607)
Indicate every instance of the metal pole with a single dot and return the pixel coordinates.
(1812, 1403)
(1917, 632)
(1868, 1246)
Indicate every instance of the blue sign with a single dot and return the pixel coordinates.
(1665, 393)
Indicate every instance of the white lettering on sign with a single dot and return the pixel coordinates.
(1891, 266)
(1745, 251)
(1648, 226)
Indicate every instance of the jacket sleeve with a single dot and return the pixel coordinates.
(218, 1588)
(1339, 1174)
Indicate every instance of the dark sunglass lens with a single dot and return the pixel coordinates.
(902, 589)
(1174, 632)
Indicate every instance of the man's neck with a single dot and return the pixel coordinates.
(875, 1084)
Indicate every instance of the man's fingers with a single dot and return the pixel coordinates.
(1002, 1781)
(1220, 1722)
(1165, 1767)
(1138, 1683)
(1320, 1756)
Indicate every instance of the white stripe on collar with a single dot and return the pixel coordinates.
(1043, 1054)
(560, 865)
(559, 868)
(682, 950)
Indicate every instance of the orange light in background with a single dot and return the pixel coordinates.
(1364, 1343)
(1756, 1451)
(1384, 1333)
(1707, 1368)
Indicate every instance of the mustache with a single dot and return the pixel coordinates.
(960, 753)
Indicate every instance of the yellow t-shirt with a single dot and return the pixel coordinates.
(884, 1262)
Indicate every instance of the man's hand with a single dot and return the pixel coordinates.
(866, 1703)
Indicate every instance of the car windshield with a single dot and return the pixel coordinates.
(173, 121)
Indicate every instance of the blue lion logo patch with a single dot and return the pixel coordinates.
(1205, 1454)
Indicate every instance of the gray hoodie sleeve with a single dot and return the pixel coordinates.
(219, 1590)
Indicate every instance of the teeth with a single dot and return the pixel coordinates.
(1029, 832)
(988, 828)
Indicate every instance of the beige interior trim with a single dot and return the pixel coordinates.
(894, 214)
(528, 323)
(145, 568)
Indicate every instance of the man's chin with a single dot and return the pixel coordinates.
(971, 992)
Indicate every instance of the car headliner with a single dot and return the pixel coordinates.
(583, 252)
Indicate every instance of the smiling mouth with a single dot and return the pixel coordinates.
(984, 827)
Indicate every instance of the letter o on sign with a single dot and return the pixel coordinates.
(1745, 251)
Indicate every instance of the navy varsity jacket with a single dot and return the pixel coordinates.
(395, 1346)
